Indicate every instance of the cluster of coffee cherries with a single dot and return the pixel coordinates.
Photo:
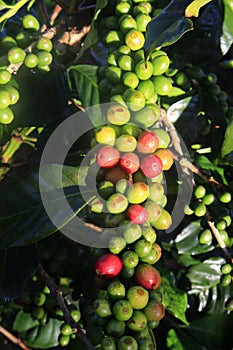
(29, 48)
(215, 205)
(129, 76)
(127, 315)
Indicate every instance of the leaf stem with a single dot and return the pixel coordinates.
(13, 339)
(13, 10)
(57, 292)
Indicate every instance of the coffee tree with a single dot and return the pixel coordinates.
(116, 175)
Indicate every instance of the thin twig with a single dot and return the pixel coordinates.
(220, 241)
(93, 227)
(57, 292)
(13, 338)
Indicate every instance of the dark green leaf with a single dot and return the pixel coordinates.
(217, 298)
(205, 275)
(227, 28)
(24, 322)
(23, 218)
(43, 337)
(212, 332)
(17, 266)
(188, 242)
(166, 29)
(174, 300)
(227, 146)
(83, 80)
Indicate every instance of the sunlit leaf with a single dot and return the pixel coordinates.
(193, 9)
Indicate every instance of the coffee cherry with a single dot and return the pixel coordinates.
(226, 280)
(115, 174)
(38, 298)
(130, 80)
(107, 157)
(118, 114)
(129, 162)
(126, 143)
(145, 344)
(137, 214)
(116, 291)
(144, 70)
(134, 39)
(122, 310)
(113, 74)
(156, 191)
(147, 142)
(44, 59)
(137, 193)
(66, 329)
(130, 259)
(153, 256)
(16, 55)
(106, 189)
(142, 7)
(64, 340)
(138, 297)
(205, 237)
(229, 304)
(44, 44)
(127, 342)
(76, 315)
(132, 233)
(137, 322)
(108, 266)
(126, 63)
(126, 23)
(113, 38)
(221, 225)
(154, 311)
(208, 199)
(162, 85)
(102, 307)
(6, 116)
(142, 248)
(135, 99)
(5, 99)
(151, 166)
(5, 76)
(106, 135)
(116, 244)
(117, 203)
(149, 234)
(226, 269)
(142, 21)
(115, 328)
(164, 221)
(163, 136)
(147, 88)
(147, 276)
(147, 116)
(199, 192)
(6, 43)
(30, 22)
(225, 197)
(166, 157)
(108, 343)
(200, 209)
(160, 64)
(154, 211)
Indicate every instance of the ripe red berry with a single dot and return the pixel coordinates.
(137, 214)
(151, 166)
(147, 276)
(130, 163)
(147, 142)
(108, 266)
(107, 157)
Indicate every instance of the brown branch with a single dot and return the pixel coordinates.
(57, 292)
(220, 241)
(93, 227)
(13, 338)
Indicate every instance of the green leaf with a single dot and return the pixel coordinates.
(206, 164)
(205, 275)
(17, 266)
(227, 146)
(193, 9)
(23, 218)
(43, 337)
(227, 28)
(187, 241)
(24, 322)
(83, 81)
(173, 341)
(167, 27)
(175, 301)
